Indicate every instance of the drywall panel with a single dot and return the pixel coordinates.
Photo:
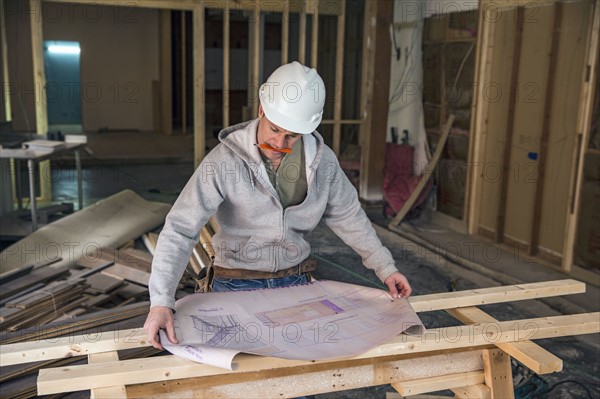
(563, 133)
(497, 94)
(528, 122)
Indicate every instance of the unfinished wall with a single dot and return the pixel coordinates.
(119, 60)
(527, 157)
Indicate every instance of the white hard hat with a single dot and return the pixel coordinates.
(293, 98)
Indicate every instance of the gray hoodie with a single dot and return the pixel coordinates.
(256, 232)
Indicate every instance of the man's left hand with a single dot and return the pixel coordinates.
(398, 285)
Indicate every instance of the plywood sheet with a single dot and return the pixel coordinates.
(110, 222)
(563, 127)
(497, 94)
(529, 118)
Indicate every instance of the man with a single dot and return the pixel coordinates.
(269, 183)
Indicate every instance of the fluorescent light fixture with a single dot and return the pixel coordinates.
(58, 49)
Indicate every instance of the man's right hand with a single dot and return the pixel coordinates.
(160, 317)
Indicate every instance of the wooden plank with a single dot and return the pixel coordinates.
(39, 73)
(479, 391)
(285, 32)
(536, 358)
(314, 45)
(199, 83)
(6, 115)
(377, 63)
(508, 138)
(128, 273)
(584, 120)
(438, 383)
(159, 4)
(28, 352)
(166, 82)
(302, 33)
(528, 122)
(101, 283)
(339, 77)
(293, 383)
(190, 5)
(226, 58)
(483, 296)
(169, 367)
(183, 72)
(37, 276)
(428, 172)
(116, 392)
(498, 374)
(563, 133)
(543, 153)
(479, 120)
(254, 58)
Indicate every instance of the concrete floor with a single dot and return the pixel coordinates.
(428, 272)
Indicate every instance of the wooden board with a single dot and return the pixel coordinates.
(116, 219)
(28, 352)
(101, 283)
(536, 358)
(563, 126)
(529, 117)
(128, 273)
(169, 367)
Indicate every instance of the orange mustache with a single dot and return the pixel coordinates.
(265, 146)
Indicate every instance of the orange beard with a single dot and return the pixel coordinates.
(265, 146)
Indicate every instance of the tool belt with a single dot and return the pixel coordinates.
(307, 265)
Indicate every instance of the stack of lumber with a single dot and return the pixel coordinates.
(42, 305)
(106, 290)
(19, 381)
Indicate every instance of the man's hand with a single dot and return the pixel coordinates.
(398, 284)
(160, 317)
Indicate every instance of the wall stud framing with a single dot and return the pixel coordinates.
(584, 121)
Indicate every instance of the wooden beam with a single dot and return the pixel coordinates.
(498, 374)
(298, 382)
(438, 383)
(302, 34)
(116, 392)
(314, 45)
(427, 173)
(483, 296)
(158, 4)
(226, 40)
(339, 78)
(166, 81)
(479, 391)
(530, 354)
(376, 48)
(285, 32)
(199, 83)
(82, 344)
(254, 61)
(183, 73)
(479, 118)
(584, 121)
(242, 5)
(512, 105)
(6, 109)
(543, 154)
(39, 74)
(76, 378)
